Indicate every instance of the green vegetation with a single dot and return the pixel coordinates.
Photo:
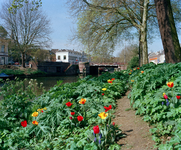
(78, 115)
(53, 120)
(155, 95)
(16, 72)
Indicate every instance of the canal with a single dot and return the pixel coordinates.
(49, 82)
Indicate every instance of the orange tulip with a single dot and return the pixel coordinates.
(142, 71)
(170, 84)
(35, 122)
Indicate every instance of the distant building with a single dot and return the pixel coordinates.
(156, 57)
(71, 56)
(3, 51)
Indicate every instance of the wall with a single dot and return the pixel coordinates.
(61, 54)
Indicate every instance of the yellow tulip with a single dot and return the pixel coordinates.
(103, 115)
(35, 114)
(104, 89)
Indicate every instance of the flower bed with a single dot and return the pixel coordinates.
(155, 94)
(68, 116)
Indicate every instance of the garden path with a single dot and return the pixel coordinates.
(137, 131)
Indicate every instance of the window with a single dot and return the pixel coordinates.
(2, 48)
(64, 57)
(58, 57)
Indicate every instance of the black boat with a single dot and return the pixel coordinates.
(5, 76)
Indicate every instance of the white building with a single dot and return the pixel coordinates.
(70, 56)
(157, 57)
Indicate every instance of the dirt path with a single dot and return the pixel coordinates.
(137, 131)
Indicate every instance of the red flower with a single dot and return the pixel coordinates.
(170, 84)
(138, 68)
(24, 123)
(113, 123)
(42, 111)
(96, 129)
(107, 108)
(72, 113)
(110, 81)
(178, 97)
(102, 93)
(113, 79)
(165, 96)
(80, 118)
(69, 104)
(70, 118)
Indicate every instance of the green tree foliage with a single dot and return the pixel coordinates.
(134, 62)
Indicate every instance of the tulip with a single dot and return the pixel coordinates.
(170, 84)
(165, 96)
(96, 129)
(178, 97)
(104, 89)
(80, 118)
(35, 114)
(103, 115)
(35, 122)
(142, 71)
(72, 113)
(24, 123)
(69, 104)
(102, 94)
(113, 123)
(82, 101)
(113, 79)
(107, 108)
(70, 118)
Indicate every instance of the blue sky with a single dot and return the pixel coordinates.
(63, 25)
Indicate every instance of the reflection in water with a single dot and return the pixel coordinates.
(49, 82)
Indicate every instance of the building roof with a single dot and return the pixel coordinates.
(68, 50)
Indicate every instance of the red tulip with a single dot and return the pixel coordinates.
(70, 118)
(69, 104)
(72, 113)
(24, 123)
(107, 108)
(113, 123)
(138, 68)
(113, 79)
(165, 96)
(80, 118)
(170, 84)
(102, 93)
(178, 97)
(96, 129)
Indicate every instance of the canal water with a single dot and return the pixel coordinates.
(49, 82)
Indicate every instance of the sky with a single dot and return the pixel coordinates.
(63, 26)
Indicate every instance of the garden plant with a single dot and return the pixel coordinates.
(68, 116)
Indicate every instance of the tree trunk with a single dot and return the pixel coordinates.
(143, 31)
(168, 31)
(23, 59)
(140, 43)
(140, 50)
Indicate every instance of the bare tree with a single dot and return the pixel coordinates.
(27, 28)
